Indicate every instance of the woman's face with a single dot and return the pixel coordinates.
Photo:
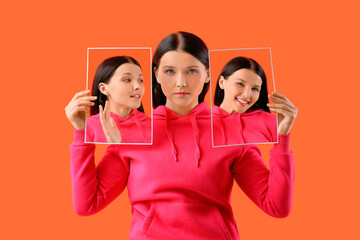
(241, 90)
(182, 78)
(125, 88)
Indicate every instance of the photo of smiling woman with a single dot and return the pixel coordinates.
(180, 187)
(241, 98)
(117, 89)
(241, 114)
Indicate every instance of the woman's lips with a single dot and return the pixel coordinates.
(182, 94)
(242, 101)
(136, 96)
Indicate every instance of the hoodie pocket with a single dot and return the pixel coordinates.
(182, 220)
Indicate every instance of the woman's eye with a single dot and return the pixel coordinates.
(256, 89)
(192, 71)
(127, 80)
(170, 71)
(241, 84)
(140, 81)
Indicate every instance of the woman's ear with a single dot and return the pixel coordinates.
(103, 88)
(156, 74)
(222, 82)
(207, 76)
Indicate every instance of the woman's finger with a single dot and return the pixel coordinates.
(286, 112)
(279, 95)
(283, 112)
(75, 105)
(73, 112)
(82, 102)
(101, 115)
(281, 106)
(280, 100)
(87, 98)
(104, 122)
(85, 101)
(113, 124)
(107, 111)
(80, 94)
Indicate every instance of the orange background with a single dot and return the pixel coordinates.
(315, 49)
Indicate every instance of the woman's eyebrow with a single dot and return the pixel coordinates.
(241, 80)
(126, 74)
(246, 82)
(129, 74)
(168, 66)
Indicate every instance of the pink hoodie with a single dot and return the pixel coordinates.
(180, 187)
(136, 128)
(239, 128)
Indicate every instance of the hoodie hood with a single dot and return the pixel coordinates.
(135, 115)
(220, 117)
(140, 116)
(201, 111)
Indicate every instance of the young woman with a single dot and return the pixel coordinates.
(241, 104)
(180, 187)
(119, 82)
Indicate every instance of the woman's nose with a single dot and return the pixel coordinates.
(246, 93)
(136, 85)
(181, 81)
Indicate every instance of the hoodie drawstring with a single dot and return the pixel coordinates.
(238, 119)
(170, 136)
(139, 127)
(195, 132)
(196, 138)
(223, 134)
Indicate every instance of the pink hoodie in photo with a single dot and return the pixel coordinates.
(238, 128)
(135, 128)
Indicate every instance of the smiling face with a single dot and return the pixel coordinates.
(125, 89)
(181, 77)
(241, 90)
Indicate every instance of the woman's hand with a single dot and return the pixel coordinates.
(111, 131)
(286, 112)
(76, 109)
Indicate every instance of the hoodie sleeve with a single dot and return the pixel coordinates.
(270, 189)
(94, 187)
